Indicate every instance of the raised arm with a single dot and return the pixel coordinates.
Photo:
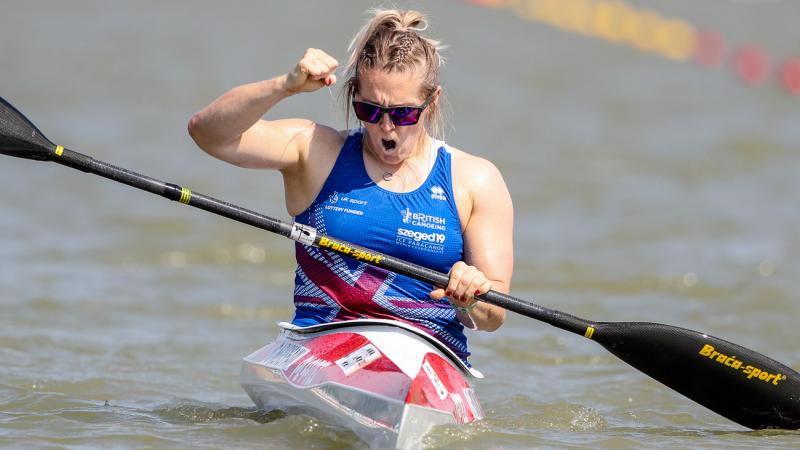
(231, 127)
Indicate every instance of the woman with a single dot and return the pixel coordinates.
(389, 186)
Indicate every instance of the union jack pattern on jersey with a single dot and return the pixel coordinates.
(421, 226)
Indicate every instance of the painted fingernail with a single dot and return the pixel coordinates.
(477, 292)
(328, 81)
(448, 293)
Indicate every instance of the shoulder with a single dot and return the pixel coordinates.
(313, 140)
(328, 138)
(479, 176)
(316, 135)
(320, 147)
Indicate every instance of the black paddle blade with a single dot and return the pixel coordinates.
(740, 384)
(19, 136)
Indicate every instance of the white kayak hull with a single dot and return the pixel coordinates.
(387, 381)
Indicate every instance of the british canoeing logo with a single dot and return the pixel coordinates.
(419, 219)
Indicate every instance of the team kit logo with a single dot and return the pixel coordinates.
(437, 193)
(429, 239)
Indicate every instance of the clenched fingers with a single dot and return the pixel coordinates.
(465, 283)
(315, 70)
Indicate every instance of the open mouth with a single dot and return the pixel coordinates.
(388, 144)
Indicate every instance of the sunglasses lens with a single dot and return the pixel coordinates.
(404, 116)
(400, 115)
(366, 112)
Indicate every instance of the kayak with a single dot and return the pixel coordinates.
(387, 381)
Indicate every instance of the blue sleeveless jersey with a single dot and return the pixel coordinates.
(421, 226)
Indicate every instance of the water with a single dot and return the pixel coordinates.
(644, 190)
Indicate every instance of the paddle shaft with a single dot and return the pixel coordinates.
(307, 235)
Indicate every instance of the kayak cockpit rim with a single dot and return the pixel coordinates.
(438, 345)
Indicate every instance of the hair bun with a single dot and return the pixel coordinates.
(398, 20)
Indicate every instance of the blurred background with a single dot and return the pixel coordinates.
(651, 149)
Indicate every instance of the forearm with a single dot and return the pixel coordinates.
(228, 117)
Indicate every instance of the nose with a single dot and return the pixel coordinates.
(386, 123)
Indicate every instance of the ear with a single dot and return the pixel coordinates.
(436, 94)
(352, 88)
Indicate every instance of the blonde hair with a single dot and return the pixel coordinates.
(391, 41)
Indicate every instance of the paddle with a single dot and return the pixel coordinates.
(740, 384)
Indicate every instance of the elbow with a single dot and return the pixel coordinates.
(205, 137)
(196, 130)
